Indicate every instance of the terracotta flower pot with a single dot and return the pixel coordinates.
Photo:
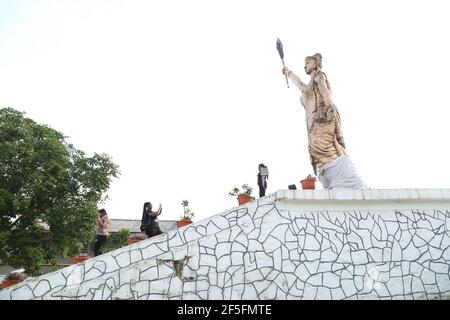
(182, 223)
(8, 283)
(78, 259)
(131, 241)
(244, 199)
(308, 183)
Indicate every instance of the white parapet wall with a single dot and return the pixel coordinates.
(292, 244)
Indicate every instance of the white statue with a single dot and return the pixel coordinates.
(326, 146)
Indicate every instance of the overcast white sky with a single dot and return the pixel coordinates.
(188, 98)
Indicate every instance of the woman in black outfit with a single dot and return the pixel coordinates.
(149, 224)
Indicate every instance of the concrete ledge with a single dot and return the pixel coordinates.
(365, 194)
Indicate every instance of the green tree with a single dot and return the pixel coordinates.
(49, 192)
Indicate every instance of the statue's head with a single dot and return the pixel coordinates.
(313, 63)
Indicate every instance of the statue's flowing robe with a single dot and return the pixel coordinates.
(325, 140)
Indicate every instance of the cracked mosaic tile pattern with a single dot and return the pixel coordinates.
(261, 252)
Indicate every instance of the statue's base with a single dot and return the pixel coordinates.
(292, 244)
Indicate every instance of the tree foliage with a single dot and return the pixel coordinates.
(49, 192)
(117, 240)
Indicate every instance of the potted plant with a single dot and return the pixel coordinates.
(309, 182)
(80, 258)
(13, 278)
(136, 237)
(243, 195)
(186, 217)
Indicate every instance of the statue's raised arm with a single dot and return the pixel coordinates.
(294, 78)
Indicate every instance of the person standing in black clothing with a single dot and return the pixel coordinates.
(149, 222)
(263, 176)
